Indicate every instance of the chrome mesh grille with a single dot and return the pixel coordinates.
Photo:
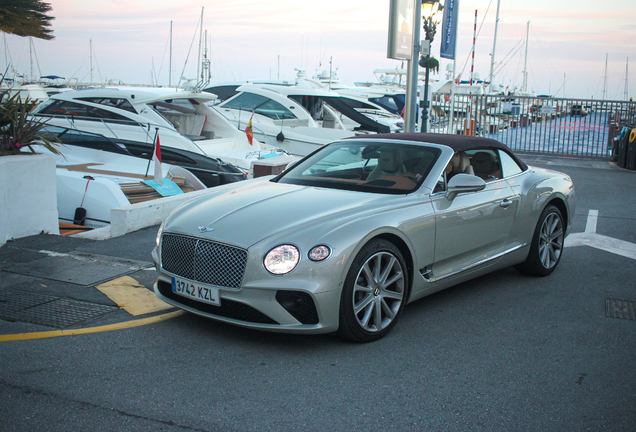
(203, 261)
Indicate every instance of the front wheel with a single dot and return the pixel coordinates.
(374, 292)
(547, 244)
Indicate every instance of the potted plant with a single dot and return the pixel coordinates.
(28, 195)
(430, 63)
(18, 131)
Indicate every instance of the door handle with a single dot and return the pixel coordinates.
(505, 203)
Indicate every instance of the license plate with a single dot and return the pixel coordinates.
(196, 291)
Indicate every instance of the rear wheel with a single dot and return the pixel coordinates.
(374, 292)
(547, 244)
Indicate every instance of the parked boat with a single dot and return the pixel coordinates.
(97, 181)
(300, 118)
(182, 119)
(210, 171)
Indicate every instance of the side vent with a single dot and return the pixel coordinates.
(427, 273)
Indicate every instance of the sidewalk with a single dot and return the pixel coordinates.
(48, 282)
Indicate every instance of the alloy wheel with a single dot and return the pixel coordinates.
(551, 241)
(378, 291)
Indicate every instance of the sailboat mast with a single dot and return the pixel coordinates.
(31, 57)
(200, 36)
(605, 79)
(627, 79)
(170, 61)
(90, 54)
(6, 59)
(564, 85)
(525, 62)
(494, 46)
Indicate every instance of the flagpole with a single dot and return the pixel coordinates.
(154, 149)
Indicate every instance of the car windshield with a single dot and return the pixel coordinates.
(365, 166)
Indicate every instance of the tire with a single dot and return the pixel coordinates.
(547, 244)
(374, 293)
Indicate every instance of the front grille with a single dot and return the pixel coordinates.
(228, 308)
(203, 261)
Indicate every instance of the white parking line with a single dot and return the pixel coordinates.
(592, 220)
(598, 241)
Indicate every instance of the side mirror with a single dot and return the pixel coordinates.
(461, 183)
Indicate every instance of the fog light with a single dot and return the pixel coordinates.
(291, 301)
(319, 253)
(299, 304)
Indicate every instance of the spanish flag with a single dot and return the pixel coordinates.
(248, 130)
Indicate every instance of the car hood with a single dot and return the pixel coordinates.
(247, 215)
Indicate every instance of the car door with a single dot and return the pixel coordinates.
(473, 228)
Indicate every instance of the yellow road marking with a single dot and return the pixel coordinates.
(132, 297)
(110, 327)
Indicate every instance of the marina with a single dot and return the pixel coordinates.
(220, 131)
(557, 126)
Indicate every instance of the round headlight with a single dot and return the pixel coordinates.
(282, 259)
(319, 253)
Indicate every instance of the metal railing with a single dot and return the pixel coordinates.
(580, 127)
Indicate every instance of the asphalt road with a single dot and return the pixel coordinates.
(502, 352)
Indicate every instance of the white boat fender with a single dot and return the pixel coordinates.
(80, 212)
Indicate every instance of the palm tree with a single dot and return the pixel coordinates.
(26, 18)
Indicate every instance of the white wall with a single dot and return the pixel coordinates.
(28, 197)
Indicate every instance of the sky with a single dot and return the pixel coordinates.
(247, 39)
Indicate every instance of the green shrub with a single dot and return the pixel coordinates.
(19, 131)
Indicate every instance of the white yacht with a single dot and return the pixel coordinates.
(181, 118)
(90, 183)
(300, 118)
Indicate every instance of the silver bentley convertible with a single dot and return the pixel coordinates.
(345, 238)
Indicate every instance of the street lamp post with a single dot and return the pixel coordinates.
(430, 12)
(410, 116)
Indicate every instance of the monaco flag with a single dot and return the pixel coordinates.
(249, 132)
(156, 158)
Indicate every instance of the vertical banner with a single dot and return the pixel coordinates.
(449, 29)
(400, 42)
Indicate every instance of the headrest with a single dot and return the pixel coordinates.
(389, 161)
(462, 161)
(483, 162)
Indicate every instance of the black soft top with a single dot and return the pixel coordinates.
(456, 142)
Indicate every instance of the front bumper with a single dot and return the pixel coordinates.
(257, 308)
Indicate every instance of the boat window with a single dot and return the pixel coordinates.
(313, 104)
(83, 139)
(223, 92)
(365, 166)
(260, 105)
(76, 110)
(174, 106)
(387, 103)
(111, 102)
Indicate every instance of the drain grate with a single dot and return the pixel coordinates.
(620, 309)
(47, 310)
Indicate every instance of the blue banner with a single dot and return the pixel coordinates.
(449, 29)
(168, 188)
